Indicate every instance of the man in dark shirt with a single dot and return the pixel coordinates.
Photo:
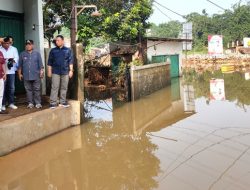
(60, 68)
(31, 71)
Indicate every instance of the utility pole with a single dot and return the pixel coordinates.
(75, 13)
(73, 23)
(186, 45)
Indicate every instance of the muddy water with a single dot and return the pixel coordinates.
(192, 135)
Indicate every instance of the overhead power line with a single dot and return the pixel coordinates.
(183, 16)
(162, 12)
(216, 5)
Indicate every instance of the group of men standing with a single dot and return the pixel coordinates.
(30, 69)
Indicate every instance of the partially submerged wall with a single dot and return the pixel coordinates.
(148, 79)
(21, 131)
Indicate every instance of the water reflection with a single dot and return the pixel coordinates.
(131, 166)
(54, 163)
(247, 76)
(237, 88)
(172, 139)
(217, 89)
(87, 163)
(150, 113)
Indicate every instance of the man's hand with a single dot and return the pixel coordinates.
(20, 76)
(70, 74)
(49, 73)
(4, 77)
(41, 74)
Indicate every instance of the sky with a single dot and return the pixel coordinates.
(185, 7)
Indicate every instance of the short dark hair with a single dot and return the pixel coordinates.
(60, 36)
(10, 37)
(6, 39)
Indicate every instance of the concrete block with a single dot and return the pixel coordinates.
(21, 131)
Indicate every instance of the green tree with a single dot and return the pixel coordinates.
(201, 28)
(55, 13)
(170, 29)
(232, 24)
(124, 20)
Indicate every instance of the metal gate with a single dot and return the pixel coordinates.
(174, 66)
(13, 24)
(174, 59)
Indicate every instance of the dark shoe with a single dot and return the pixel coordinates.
(3, 112)
(65, 105)
(52, 106)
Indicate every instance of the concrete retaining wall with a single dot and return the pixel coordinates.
(21, 131)
(148, 79)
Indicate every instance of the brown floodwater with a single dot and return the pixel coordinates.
(194, 134)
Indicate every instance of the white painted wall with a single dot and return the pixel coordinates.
(165, 48)
(33, 15)
(12, 5)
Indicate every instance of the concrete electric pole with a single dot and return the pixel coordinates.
(73, 23)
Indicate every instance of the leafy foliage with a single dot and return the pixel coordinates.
(56, 15)
(124, 20)
(171, 29)
(232, 24)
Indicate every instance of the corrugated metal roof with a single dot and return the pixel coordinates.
(168, 39)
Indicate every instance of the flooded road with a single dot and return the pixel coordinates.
(195, 134)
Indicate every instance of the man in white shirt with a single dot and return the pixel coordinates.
(10, 54)
(11, 40)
